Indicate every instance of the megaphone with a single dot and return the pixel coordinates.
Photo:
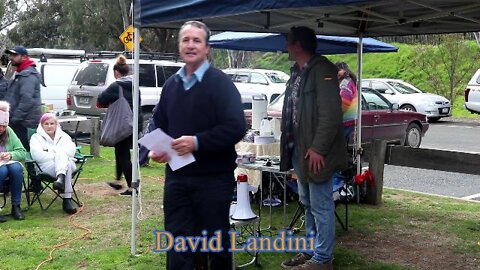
(242, 209)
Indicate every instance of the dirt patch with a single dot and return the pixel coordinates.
(96, 189)
(418, 249)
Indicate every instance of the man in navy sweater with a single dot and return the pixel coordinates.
(201, 109)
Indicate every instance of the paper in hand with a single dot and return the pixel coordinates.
(159, 141)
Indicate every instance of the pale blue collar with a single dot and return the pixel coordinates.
(198, 73)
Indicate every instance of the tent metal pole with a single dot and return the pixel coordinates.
(359, 108)
(136, 93)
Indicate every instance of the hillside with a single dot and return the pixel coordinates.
(422, 65)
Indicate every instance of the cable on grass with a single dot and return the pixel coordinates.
(61, 245)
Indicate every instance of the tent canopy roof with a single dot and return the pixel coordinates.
(269, 42)
(327, 17)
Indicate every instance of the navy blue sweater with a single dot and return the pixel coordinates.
(211, 110)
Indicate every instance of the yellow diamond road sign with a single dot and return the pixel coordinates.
(127, 38)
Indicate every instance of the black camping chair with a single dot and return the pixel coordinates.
(43, 182)
(342, 194)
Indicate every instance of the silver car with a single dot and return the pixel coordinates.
(410, 98)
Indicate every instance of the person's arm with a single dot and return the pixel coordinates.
(347, 94)
(18, 153)
(159, 119)
(38, 152)
(67, 145)
(329, 113)
(108, 96)
(26, 98)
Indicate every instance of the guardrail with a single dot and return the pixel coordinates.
(379, 154)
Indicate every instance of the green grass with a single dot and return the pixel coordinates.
(25, 244)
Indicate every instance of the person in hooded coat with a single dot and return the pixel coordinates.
(54, 151)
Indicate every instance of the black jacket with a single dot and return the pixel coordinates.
(110, 95)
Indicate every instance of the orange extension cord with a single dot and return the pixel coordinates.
(70, 221)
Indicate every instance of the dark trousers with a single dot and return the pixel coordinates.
(193, 204)
(123, 162)
(22, 134)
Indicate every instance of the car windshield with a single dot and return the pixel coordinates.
(403, 88)
(276, 77)
(93, 74)
(277, 104)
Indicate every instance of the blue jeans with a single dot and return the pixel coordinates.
(317, 199)
(15, 173)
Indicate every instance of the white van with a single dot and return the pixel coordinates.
(56, 68)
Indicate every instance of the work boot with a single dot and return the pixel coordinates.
(299, 259)
(59, 184)
(311, 265)
(17, 212)
(68, 206)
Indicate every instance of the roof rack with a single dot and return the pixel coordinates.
(143, 55)
(56, 53)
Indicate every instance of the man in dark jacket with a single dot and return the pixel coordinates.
(201, 109)
(312, 143)
(23, 94)
(3, 85)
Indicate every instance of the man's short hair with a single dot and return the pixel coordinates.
(197, 24)
(306, 36)
(17, 50)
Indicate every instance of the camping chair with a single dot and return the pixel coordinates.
(45, 181)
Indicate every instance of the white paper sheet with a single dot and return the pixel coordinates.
(159, 141)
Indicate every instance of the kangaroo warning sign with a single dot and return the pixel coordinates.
(127, 38)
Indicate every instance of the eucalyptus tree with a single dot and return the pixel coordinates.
(83, 24)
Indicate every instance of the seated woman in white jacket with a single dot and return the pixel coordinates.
(54, 150)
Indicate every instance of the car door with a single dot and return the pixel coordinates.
(367, 122)
(260, 85)
(386, 126)
(242, 82)
(381, 87)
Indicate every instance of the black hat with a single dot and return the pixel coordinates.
(17, 50)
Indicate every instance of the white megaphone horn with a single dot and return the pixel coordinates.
(242, 209)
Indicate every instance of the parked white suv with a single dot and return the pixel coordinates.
(250, 82)
(95, 75)
(56, 67)
(472, 94)
(411, 98)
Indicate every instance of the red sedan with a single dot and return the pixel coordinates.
(380, 120)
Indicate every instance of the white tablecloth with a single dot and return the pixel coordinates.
(255, 176)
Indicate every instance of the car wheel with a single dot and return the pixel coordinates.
(433, 119)
(413, 136)
(408, 108)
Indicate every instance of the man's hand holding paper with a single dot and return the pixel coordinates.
(178, 153)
